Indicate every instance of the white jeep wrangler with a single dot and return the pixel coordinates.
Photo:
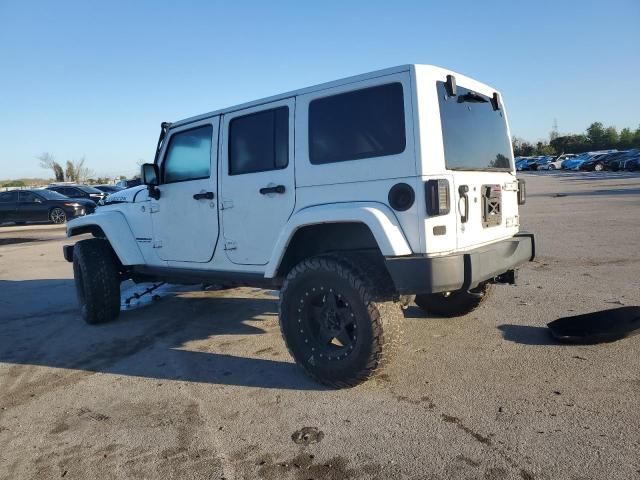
(350, 197)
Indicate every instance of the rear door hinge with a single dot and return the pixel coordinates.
(230, 245)
(154, 208)
(226, 204)
(157, 244)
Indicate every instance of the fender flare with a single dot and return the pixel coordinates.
(116, 229)
(378, 217)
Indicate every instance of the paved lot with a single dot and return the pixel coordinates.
(199, 384)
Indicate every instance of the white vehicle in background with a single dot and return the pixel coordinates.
(557, 163)
(350, 197)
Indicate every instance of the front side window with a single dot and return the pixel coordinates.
(259, 142)
(188, 155)
(474, 134)
(358, 124)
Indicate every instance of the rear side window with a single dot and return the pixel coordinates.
(8, 197)
(359, 124)
(259, 142)
(28, 197)
(188, 155)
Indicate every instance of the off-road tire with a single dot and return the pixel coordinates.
(362, 289)
(456, 304)
(95, 268)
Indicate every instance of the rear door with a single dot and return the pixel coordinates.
(8, 206)
(32, 207)
(257, 179)
(185, 217)
(478, 153)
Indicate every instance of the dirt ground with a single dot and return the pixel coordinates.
(199, 384)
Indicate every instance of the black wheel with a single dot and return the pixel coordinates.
(57, 215)
(339, 319)
(453, 304)
(95, 268)
(552, 167)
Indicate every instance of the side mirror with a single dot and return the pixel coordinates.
(149, 174)
(37, 200)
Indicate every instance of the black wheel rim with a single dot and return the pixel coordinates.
(328, 323)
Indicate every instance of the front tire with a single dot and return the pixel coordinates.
(454, 304)
(58, 216)
(95, 269)
(339, 319)
(598, 167)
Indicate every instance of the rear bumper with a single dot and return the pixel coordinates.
(420, 274)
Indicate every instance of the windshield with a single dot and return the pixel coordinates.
(50, 194)
(475, 136)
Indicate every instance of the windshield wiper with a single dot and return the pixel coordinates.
(472, 97)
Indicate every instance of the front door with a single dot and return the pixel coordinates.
(185, 217)
(257, 179)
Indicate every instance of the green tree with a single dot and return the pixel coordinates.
(625, 139)
(597, 135)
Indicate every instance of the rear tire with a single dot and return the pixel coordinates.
(454, 304)
(95, 269)
(339, 319)
(552, 167)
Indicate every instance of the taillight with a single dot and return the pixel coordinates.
(437, 197)
(522, 192)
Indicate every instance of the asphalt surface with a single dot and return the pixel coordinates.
(199, 384)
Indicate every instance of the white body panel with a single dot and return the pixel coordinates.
(252, 221)
(185, 229)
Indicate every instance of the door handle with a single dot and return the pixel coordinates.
(203, 196)
(276, 189)
(463, 190)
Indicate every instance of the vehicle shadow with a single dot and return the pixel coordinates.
(41, 326)
(527, 335)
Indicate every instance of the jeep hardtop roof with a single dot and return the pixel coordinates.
(321, 86)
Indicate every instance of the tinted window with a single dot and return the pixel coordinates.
(51, 195)
(28, 197)
(88, 189)
(70, 192)
(360, 124)
(259, 142)
(474, 134)
(7, 197)
(188, 155)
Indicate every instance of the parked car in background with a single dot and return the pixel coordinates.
(556, 164)
(78, 191)
(22, 206)
(600, 162)
(108, 189)
(623, 162)
(633, 164)
(134, 182)
(575, 162)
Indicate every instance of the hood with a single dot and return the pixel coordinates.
(128, 195)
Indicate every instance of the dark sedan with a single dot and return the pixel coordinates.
(78, 191)
(22, 206)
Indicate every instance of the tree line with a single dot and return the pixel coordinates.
(596, 137)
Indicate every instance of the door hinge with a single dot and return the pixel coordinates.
(157, 244)
(230, 245)
(154, 208)
(226, 204)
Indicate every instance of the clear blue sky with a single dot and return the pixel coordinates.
(97, 78)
